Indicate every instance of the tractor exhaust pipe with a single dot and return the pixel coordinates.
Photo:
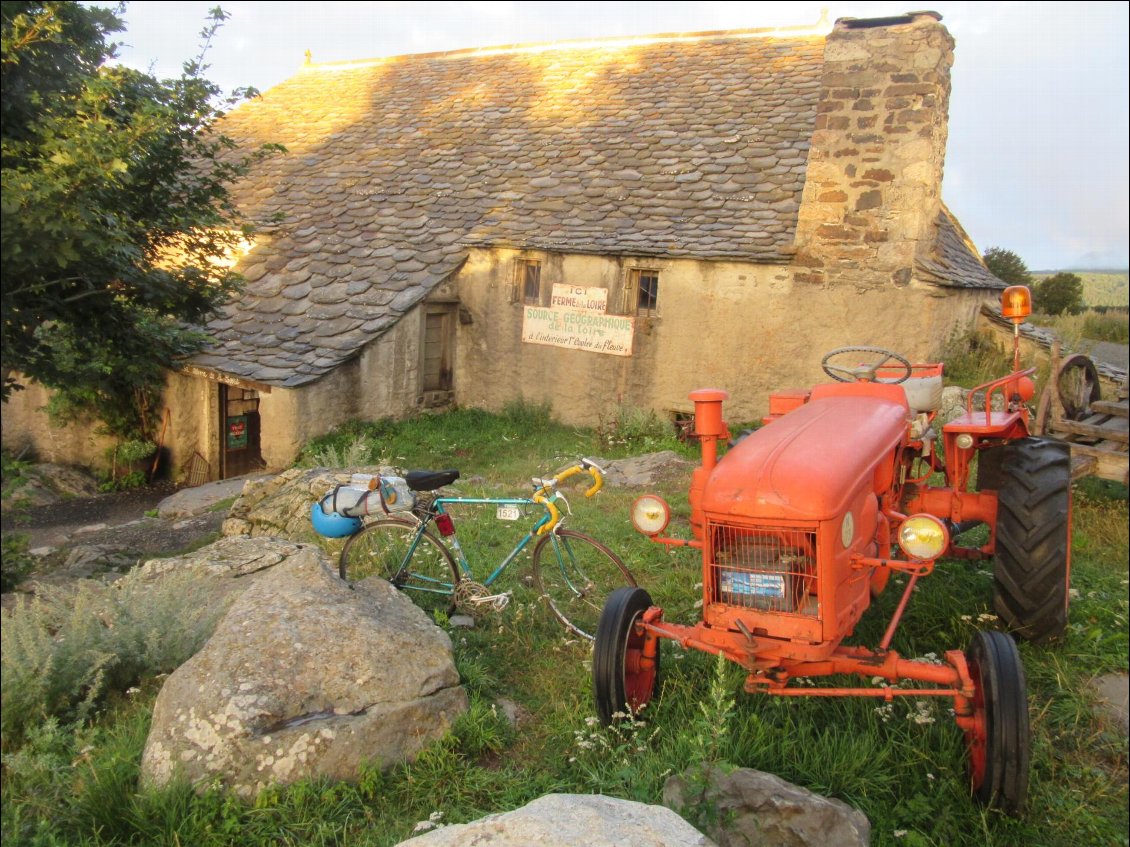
(708, 428)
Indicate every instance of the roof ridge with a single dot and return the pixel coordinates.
(821, 28)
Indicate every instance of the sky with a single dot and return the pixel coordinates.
(1037, 160)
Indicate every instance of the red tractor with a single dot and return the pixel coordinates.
(802, 522)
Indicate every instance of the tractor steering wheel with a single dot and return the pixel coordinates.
(859, 372)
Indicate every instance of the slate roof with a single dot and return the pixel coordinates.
(953, 260)
(680, 146)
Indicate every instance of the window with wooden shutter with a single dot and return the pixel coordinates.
(527, 282)
(641, 293)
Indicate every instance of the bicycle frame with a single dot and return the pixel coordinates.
(438, 508)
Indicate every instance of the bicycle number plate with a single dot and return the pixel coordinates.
(509, 513)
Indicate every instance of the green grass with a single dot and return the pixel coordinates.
(1089, 325)
(902, 767)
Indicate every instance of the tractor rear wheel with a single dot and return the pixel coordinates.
(622, 681)
(999, 743)
(1032, 478)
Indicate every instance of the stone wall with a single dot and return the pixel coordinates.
(29, 433)
(875, 165)
(749, 329)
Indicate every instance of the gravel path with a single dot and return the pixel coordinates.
(72, 536)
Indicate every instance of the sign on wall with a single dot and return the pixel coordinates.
(577, 320)
(237, 432)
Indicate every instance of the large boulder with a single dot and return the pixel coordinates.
(750, 807)
(305, 677)
(229, 566)
(571, 820)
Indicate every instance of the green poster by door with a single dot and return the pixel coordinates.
(237, 432)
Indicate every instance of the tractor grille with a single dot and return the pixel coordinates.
(772, 569)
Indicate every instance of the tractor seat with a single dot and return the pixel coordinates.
(923, 393)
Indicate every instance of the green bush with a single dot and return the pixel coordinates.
(1107, 326)
(65, 649)
(630, 427)
(973, 358)
(11, 474)
(17, 562)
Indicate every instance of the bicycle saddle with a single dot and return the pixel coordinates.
(430, 480)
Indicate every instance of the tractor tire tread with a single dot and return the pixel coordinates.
(1033, 480)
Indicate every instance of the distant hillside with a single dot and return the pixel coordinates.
(1100, 288)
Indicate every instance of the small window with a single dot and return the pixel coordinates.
(528, 281)
(644, 282)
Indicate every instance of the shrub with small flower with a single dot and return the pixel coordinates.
(610, 756)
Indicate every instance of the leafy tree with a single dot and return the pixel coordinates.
(116, 211)
(1007, 266)
(1062, 292)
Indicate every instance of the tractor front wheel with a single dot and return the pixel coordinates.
(623, 679)
(999, 743)
(1033, 545)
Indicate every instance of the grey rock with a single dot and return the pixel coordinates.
(45, 483)
(305, 677)
(192, 501)
(88, 560)
(751, 807)
(90, 528)
(1114, 694)
(645, 470)
(571, 820)
(953, 403)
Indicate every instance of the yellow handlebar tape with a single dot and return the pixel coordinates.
(554, 515)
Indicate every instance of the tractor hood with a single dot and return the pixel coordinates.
(807, 465)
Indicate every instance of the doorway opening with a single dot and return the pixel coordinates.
(240, 432)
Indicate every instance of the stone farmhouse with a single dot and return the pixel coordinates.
(584, 225)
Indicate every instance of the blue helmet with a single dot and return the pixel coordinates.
(330, 524)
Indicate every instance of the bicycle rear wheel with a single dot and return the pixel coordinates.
(575, 573)
(426, 573)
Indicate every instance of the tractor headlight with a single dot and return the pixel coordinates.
(650, 514)
(923, 537)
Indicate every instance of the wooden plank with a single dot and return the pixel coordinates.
(1108, 433)
(1111, 407)
(1108, 464)
(1083, 466)
(1117, 451)
(1099, 420)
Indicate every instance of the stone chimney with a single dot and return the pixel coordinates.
(875, 165)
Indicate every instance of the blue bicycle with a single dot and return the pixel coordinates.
(419, 552)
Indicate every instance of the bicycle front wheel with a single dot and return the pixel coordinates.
(425, 572)
(575, 573)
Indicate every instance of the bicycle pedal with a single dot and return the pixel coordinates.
(497, 602)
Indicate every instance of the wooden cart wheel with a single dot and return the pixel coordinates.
(1077, 384)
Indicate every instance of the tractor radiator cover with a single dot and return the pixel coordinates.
(770, 569)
